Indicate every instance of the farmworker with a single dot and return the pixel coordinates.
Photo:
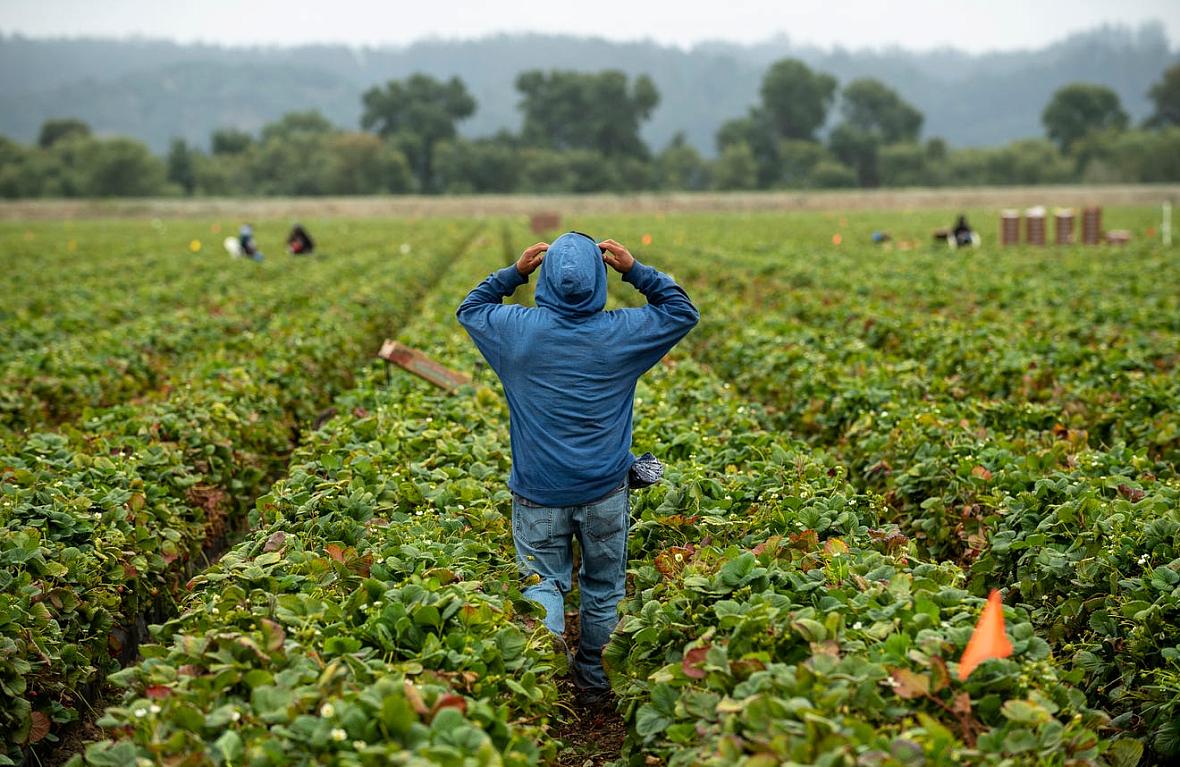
(299, 242)
(246, 240)
(964, 235)
(569, 371)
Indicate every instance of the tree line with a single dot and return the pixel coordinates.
(580, 132)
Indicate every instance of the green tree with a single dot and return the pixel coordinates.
(568, 170)
(1032, 161)
(680, 166)
(416, 114)
(222, 174)
(796, 99)
(1166, 95)
(121, 167)
(874, 116)
(17, 177)
(830, 174)
(1132, 156)
(903, 164)
(296, 125)
(230, 141)
(857, 149)
(736, 168)
(757, 134)
(599, 111)
(797, 160)
(794, 105)
(182, 165)
(1079, 109)
(872, 107)
(361, 163)
(53, 131)
(292, 156)
(483, 165)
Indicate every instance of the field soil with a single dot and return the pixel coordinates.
(569, 204)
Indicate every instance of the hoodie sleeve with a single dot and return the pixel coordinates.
(482, 311)
(654, 329)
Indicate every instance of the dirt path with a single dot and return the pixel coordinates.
(644, 203)
(592, 738)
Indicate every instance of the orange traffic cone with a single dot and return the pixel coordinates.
(989, 640)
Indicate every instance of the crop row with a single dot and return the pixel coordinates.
(773, 613)
(217, 309)
(1018, 415)
(375, 614)
(103, 519)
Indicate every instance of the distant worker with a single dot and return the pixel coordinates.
(299, 242)
(569, 371)
(964, 235)
(246, 241)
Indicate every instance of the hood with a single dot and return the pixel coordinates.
(573, 277)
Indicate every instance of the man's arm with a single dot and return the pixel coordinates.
(669, 313)
(477, 312)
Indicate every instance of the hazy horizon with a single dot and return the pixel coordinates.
(913, 25)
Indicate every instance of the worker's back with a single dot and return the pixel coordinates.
(569, 369)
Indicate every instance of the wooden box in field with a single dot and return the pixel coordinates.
(542, 223)
(1034, 226)
(1009, 227)
(1092, 225)
(1063, 226)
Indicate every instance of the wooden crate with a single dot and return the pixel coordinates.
(1063, 226)
(1034, 226)
(1009, 227)
(545, 222)
(1092, 225)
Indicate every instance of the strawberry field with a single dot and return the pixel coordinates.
(232, 537)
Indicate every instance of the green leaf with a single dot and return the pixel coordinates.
(272, 703)
(1125, 752)
(1020, 740)
(1025, 712)
(398, 715)
(108, 754)
(230, 745)
(908, 684)
(649, 722)
(810, 630)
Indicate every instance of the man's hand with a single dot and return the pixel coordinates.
(531, 258)
(616, 256)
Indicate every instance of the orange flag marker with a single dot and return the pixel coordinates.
(989, 640)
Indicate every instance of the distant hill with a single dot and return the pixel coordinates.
(156, 90)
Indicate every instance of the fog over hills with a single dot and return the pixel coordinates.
(155, 90)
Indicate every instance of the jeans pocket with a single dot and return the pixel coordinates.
(531, 525)
(608, 518)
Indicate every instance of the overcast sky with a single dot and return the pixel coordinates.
(972, 25)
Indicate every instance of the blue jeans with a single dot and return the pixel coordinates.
(543, 536)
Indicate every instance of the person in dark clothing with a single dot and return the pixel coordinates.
(569, 371)
(299, 242)
(246, 240)
(964, 235)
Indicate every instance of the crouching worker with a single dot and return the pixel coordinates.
(299, 242)
(246, 244)
(569, 371)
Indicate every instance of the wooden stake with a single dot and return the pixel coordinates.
(422, 366)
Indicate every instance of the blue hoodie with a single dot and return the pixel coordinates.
(569, 369)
